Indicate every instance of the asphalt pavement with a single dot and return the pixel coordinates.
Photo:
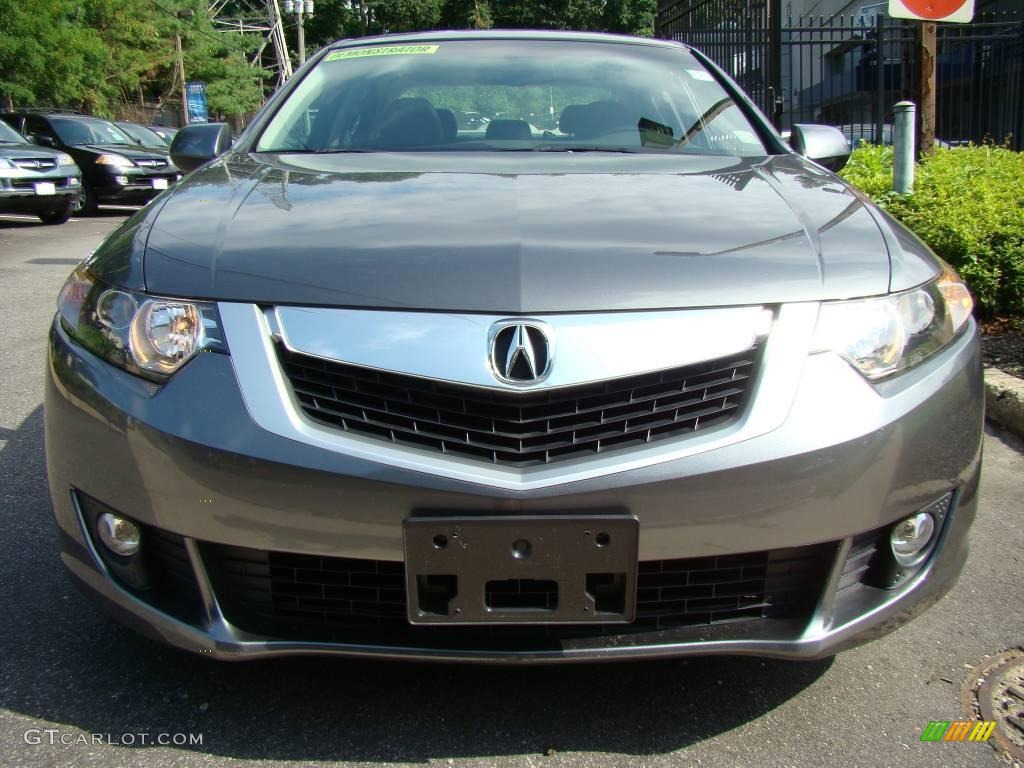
(72, 682)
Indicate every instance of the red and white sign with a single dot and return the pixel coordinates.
(932, 10)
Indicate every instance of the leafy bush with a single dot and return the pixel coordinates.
(968, 206)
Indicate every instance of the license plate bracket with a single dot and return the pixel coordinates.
(563, 569)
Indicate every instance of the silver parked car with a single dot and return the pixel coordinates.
(36, 180)
(371, 383)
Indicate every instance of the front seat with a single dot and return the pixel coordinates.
(409, 123)
(602, 117)
(508, 130)
(569, 120)
(449, 125)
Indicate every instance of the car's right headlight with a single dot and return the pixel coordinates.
(146, 335)
(881, 336)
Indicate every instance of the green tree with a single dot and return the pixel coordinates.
(219, 59)
(74, 54)
(466, 14)
(404, 15)
(333, 20)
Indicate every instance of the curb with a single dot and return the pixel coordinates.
(1004, 400)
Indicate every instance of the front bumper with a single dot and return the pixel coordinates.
(188, 459)
(137, 187)
(18, 193)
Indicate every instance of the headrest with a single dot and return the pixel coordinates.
(409, 123)
(508, 130)
(449, 125)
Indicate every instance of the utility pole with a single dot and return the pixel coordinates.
(302, 9)
(926, 89)
(181, 77)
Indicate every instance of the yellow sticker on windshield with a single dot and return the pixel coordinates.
(382, 50)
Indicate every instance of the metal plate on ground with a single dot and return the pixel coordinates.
(994, 693)
(521, 570)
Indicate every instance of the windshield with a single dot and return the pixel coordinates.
(77, 130)
(10, 136)
(505, 95)
(142, 135)
(167, 134)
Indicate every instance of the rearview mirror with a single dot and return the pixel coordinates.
(43, 141)
(824, 144)
(198, 144)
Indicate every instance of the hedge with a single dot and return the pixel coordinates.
(968, 206)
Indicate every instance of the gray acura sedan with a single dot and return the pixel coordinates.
(641, 381)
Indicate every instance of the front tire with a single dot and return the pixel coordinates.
(58, 216)
(86, 204)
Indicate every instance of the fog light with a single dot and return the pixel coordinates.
(119, 535)
(122, 180)
(911, 538)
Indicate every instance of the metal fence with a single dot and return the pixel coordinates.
(850, 71)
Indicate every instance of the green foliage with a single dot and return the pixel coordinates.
(221, 60)
(968, 206)
(95, 54)
(336, 19)
(402, 15)
(50, 53)
(870, 170)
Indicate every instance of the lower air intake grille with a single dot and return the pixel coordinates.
(308, 597)
(521, 428)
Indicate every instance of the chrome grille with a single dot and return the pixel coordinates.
(521, 428)
(36, 164)
(58, 183)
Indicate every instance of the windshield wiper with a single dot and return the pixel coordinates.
(702, 122)
(584, 148)
(313, 151)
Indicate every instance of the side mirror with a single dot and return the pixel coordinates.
(823, 144)
(198, 144)
(43, 141)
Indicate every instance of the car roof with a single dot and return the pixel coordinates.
(507, 34)
(45, 112)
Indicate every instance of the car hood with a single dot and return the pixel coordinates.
(27, 152)
(515, 232)
(133, 153)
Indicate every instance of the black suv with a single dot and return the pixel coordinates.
(115, 169)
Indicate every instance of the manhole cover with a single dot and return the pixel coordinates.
(995, 691)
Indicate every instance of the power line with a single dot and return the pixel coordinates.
(194, 28)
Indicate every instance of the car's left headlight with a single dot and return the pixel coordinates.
(884, 335)
(146, 335)
(115, 161)
(66, 160)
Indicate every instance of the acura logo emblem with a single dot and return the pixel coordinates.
(520, 352)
